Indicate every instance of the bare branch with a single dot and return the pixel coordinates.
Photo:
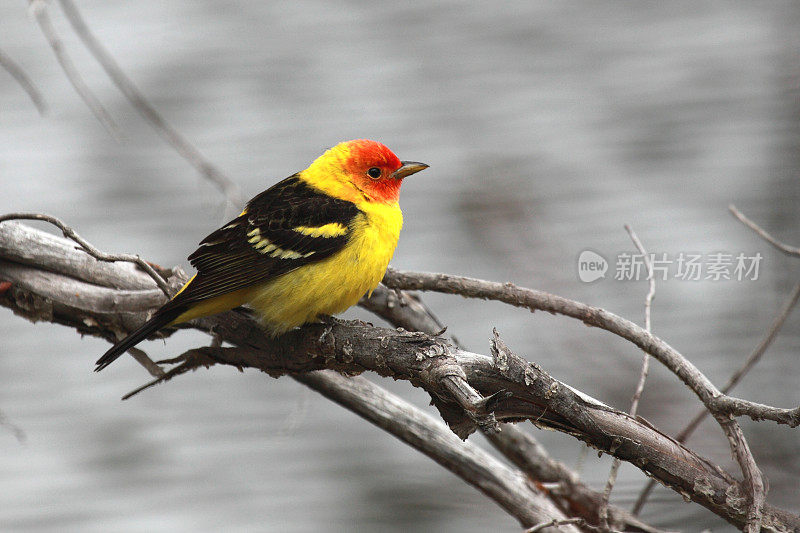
(38, 9)
(424, 361)
(593, 316)
(76, 268)
(91, 250)
(723, 407)
(569, 521)
(519, 447)
(148, 364)
(354, 348)
(24, 81)
(648, 303)
(749, 363)
(772, 333)
(426, 434)
(181, 145)
(785, 248)
(563, 485)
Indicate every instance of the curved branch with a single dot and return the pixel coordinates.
(761, 232)
(508, 488)
(91, 250)
(535, 300)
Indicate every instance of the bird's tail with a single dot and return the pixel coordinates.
(161, 319)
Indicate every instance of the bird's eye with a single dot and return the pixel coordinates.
(374, 173)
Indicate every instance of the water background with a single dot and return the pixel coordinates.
(547, 125)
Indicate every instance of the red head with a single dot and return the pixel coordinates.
(371, 168)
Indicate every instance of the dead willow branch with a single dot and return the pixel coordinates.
(736, 377)
(535, 300)
(452, 376)
(562, 485)
(724, 408)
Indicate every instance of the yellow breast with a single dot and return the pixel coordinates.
(337, 283)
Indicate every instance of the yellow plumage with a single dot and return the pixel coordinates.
(327, 287)
(334, 284)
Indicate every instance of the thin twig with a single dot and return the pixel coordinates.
(190, 363)
(785, 248)
(38, 9)
(24, 81)
(580, 522)
(648, 301)
(143, 359)
(91, 250)
(184, 148)
(736, 377)
(759, 350)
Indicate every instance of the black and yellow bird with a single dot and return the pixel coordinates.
(311, 245)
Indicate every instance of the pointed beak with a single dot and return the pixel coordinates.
(408, 168)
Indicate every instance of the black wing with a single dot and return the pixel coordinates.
(285, 227)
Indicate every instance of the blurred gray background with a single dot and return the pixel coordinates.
(547, 125)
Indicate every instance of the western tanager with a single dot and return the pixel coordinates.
(310, 245)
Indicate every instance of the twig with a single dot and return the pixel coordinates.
(749, 363)
(142, 358)
(785, 248)
(91, 250)
(184, 148)
(25, 82)
(772, 333)
(39, 10)
(191, 360)
(558, 523)
(648, 301)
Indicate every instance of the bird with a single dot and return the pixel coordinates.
(309, 246)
